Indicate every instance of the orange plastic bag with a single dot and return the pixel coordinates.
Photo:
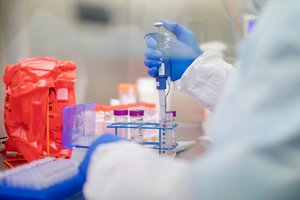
(32, 109)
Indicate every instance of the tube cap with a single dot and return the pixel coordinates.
(136, 112)
(126, 87)
(120, 112)
(147, 105)
(173, 112)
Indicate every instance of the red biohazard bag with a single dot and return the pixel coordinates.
(33, 105)
(61, 95)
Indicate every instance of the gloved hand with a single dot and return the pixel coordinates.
(184, 50)
(106, 138)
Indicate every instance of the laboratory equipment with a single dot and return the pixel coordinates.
(136, 116)
(163, 40)
(99, 119)
(147, 90)
(47, 178)
(151, 115)
(108, 113)
(150, 111)
(167, 136)
(108, 117)
(104, 116)
(121, 116)
(180, 52)
(146, 126)
(78, 125)
(173, 116)
(127, 93)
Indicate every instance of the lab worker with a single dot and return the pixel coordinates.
(255, 154)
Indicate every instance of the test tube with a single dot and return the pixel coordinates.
(99, 120)
(150, 111)
(136, 116)
(121, 116)
(108, 118)
(173, 112)
(166, 136)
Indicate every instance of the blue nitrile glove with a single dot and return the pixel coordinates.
(184, 50)
(106, 138)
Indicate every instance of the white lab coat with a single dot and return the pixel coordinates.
(256, 152)
(205, 78)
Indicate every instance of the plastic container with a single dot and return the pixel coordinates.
(151, 115)
(121, 116)
(136, 116)
(78, 125)
(127, 93)
(173, 112)
(99, 119)
(150, 111)
(147, 91)
(167, 136)
(108, 118)
(47, 178)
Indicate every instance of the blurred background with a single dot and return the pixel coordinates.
(106, 40)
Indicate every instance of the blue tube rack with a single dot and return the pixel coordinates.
(146, 125)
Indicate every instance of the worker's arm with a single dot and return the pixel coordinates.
(124, 170)
(256, 125)
(205, 78)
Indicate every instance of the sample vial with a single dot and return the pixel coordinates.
(99, 119)
(121, 116)
(150, 111)
(127, 93)
(173, 112)
(151, 115)
(166, 136)
(108, 118)
(136, 116)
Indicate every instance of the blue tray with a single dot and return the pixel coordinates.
(60, 190)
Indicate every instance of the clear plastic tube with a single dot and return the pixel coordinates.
(136, 116)
(99, 120)
(173, 131)
(121, 116)
(167, 136)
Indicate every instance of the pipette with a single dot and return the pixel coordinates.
(163, 40)
(161, 83)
